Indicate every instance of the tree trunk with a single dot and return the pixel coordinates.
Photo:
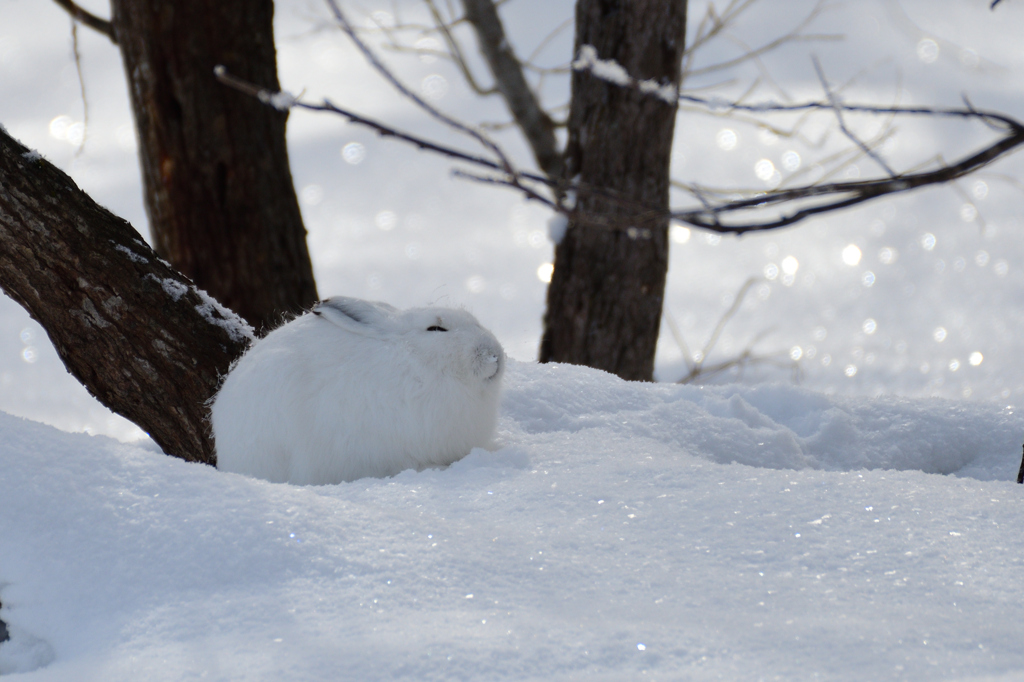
(218, 187)
(605, 298)
(1020, 473)
(135, 332)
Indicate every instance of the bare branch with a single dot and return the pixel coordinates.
(835, 195)
(506, 69)
(844, 194)
(89, 19)
(712, 24)
(487, 143)
(453, 51)
(514, 176)
(535, 123)
(516, 179)
(524, 188)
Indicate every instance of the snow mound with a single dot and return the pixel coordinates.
(772, 426)
(603, 539)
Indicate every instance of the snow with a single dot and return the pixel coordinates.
(605, 69)
(282, 101)
(604, 538)
(172, 288)
(210, 309)
(859, 525)
(613, 72)
(132, 256)
(557, 225)
(225, 318)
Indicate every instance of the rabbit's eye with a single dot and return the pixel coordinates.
(436, 328)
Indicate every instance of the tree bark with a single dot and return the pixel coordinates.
(137, 334)
(218, 187)
(605, 298)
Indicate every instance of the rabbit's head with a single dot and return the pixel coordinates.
(449, 340)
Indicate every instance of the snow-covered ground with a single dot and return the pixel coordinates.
(859, 525)
(621, 531)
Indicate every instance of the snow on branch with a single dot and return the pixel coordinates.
(611, 71)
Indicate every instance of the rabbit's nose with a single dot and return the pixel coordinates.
(490, 362)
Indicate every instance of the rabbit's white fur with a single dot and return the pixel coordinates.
(357, 388)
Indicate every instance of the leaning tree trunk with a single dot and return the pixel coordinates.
(605, 298)
(218, 188)
(135, 332)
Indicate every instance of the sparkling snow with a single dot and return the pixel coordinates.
(607, 537)
(861, 524)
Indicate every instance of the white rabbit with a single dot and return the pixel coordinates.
(357, 388)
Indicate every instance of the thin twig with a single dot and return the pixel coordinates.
(795, 35)
(834, 102)
(502, 180)
(856, 192)
(455, 51)
(677, 335)
(81, 85)
(729, 314)
(547, 39)
(744, 360)
(513, 174)
(697, 367)
(435, 113)
(712, 24)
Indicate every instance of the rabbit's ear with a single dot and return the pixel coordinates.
(357, 315)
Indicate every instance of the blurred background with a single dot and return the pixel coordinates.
(916, 295)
